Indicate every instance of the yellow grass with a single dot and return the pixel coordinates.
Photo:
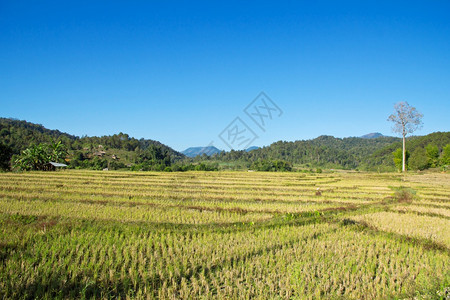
(223, 235)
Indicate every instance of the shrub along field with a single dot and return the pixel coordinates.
(224, 235)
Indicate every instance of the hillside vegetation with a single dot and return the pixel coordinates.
(329, 152)
(120, 151)
(383, 156)
(117, 151)
(324, 151)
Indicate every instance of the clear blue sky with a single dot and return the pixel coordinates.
(181, 71)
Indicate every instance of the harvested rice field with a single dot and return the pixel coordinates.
(224, 235)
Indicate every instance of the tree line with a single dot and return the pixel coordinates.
(21, 141)
(423, 158)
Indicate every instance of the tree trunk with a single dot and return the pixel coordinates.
(404, 155)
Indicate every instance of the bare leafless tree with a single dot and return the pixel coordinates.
(406, 120)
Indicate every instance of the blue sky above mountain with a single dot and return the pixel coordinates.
(181, 72)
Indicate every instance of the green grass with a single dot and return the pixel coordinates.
(223, 235)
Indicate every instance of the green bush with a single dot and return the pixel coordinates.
(419, 160)
(404, 194)
(398, 158)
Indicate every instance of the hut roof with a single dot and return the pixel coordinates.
(55, 164)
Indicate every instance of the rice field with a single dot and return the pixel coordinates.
(224, 235)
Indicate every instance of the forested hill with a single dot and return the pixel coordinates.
(414, 144)
(331, 152)
(121, 151)
(324, 151)
(19, 135)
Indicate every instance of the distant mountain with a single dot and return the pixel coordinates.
(372, 135)
(251, 148)
(195, 151)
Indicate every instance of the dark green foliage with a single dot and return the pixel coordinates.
(5, 156)
(419, 160)
(20, 135)
(329, 152)
(116, 165)
(123, 142)
(432, 153)
(423, 155)
(37, 157)
(155, 154)
(445, 157)
(383, 155)
(203, 166)
(154, 158)
(398, 158)
(98, 163)
(271, 165)
(77, 160)
(324, 151)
